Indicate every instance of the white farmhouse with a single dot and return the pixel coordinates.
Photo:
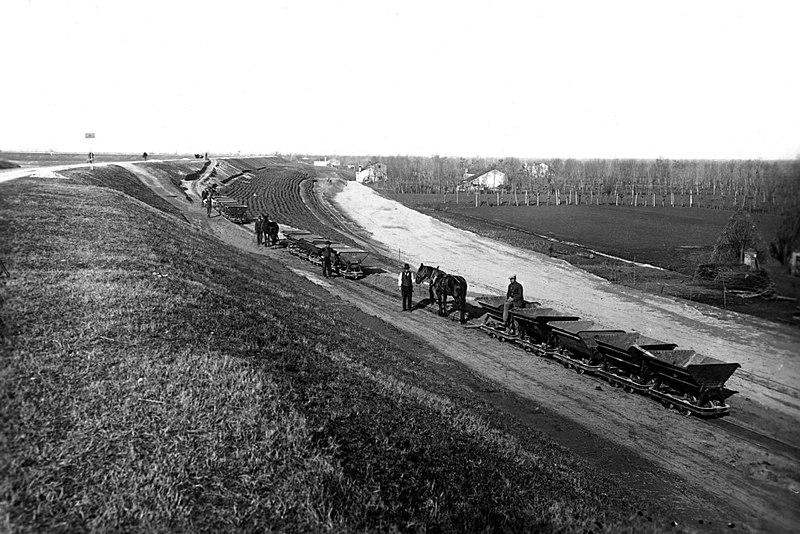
(492, 179)
(374, 172)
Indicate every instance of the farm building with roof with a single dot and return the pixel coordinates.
(375, 172)
(491, 179)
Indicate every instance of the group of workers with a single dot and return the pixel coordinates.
(514, 294)
(208, 195)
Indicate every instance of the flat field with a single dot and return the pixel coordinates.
(676, 239)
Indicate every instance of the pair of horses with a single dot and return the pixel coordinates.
(444, 284)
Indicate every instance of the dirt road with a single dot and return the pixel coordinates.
(744, 472)
(758, 478)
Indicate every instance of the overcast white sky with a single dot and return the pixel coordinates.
(693, 79)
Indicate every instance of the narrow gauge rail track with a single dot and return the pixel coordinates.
(768, 383)
(754, 436)
(678, 378)
(726, 424)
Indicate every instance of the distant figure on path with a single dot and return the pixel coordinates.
(211, 193)
(514, 298)
(144, 156)
(406, 285)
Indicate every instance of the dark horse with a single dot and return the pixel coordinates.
(444, 284)
(272, 233)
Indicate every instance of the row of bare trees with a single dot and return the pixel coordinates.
(771, 186)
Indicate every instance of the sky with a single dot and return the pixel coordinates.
(531, 79)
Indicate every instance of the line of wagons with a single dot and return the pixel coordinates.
(347, 261)
(680, 379)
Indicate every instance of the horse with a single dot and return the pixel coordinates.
(271, 231)
(444, 284)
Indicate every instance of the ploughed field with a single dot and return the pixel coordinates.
(277, 191)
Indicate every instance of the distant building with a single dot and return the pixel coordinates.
(492, 179)
(539, 169)
(375, 172)
(327, 162)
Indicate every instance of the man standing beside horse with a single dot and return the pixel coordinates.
(259, 230)
(514, 298)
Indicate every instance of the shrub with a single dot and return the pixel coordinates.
(739, 235)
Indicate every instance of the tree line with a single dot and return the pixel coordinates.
(762, 185)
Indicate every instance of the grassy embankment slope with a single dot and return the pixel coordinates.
(154, 378)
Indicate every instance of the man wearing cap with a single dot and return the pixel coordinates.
(514, 298)
(406, 285)
(326, 260)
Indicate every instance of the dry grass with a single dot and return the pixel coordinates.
(156, 379)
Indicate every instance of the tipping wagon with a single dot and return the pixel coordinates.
(230, 208)
(690, 382)
(623, 359)
(349, 261)
(576, 343)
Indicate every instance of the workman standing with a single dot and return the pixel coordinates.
(406, 285)
(327, 252)
(259, 230)
(514, 298)
(212, 192)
